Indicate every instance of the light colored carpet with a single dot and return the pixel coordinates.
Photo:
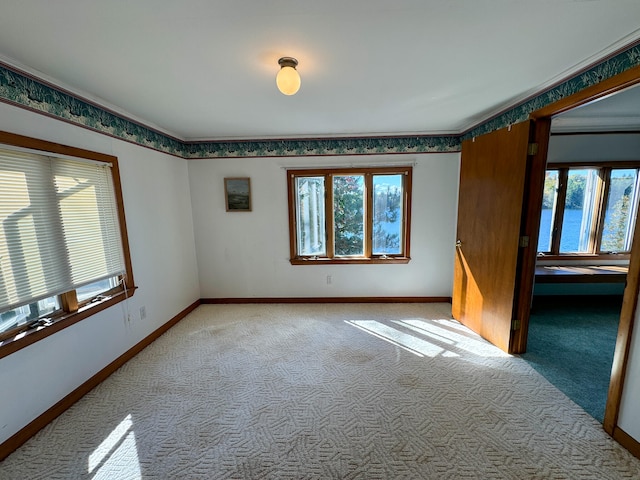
(323, 392)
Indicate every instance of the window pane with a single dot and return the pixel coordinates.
(310, 216)
(549, 200)
(96, 288)
(348, 214)
(26, 313)
(578, 212)
(387, 214)
(617, 232)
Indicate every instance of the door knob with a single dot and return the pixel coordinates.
(458, 243)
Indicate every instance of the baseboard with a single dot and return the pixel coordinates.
(14, 442)
(327, 300)
(627, 441)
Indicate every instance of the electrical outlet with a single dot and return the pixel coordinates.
(329, 279)
(143, 312)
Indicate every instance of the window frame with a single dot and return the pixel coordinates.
(604, 169)
(71, 310)
(368, 257)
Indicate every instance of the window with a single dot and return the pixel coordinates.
(350, 215)
(589, 210)
(63, 245)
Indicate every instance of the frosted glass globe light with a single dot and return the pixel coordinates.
(288, 79)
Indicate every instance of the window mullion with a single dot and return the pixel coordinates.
(328, 205)
(293, 217)
(368, 223)
(604, 185)
(558, 217)
(406, 215)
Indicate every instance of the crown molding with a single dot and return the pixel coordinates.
(596, 124)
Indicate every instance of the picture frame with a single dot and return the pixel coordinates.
(237, 194)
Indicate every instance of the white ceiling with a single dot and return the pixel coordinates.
(618, 112)
(205, 69)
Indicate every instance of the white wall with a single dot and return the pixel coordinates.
(590, 147)
(247, 254)
(160, 227)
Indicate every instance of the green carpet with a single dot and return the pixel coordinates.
(571, 343)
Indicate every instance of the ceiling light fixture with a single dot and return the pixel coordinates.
(288, 78)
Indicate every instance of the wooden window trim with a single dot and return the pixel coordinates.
(30, 336)
(69, 302)
(368, 258)
(602, 192)
(329, 221)
(71, 311)
(368, 215)
(349, 261)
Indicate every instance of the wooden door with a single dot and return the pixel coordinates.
(490, 205)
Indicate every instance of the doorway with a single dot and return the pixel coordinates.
(574, 323)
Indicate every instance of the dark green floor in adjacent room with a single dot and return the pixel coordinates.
(571, 343)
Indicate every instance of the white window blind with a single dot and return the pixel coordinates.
(59, 226)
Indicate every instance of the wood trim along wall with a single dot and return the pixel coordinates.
(271, 300)
(627, 441)
(531, 211)
(23, 141)
(12, 345)
(12, 444)
(624, 336)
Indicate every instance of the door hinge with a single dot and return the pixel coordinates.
(515, 324)
(532, 149)
(524, 241)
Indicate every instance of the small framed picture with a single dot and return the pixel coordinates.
(237, 194)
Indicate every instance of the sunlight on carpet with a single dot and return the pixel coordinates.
(117, 455)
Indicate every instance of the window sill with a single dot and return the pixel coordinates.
(349, 261)
(31, 335)
(584, 256)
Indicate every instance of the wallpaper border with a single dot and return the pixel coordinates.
(614, 65)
